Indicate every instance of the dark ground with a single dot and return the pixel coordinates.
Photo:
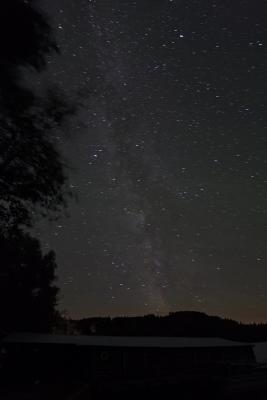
(250, 386)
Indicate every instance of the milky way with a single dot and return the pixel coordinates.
(166, 157)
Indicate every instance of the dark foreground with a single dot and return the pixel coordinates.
(250, 384)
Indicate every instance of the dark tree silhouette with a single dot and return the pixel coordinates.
(27, 294)
(31, 169)
(32, 174)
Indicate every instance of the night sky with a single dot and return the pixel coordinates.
(166, 157)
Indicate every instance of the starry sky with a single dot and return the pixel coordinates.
(166, 157)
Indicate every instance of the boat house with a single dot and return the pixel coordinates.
(87, 357)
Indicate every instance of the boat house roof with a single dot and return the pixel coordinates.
(122, 341)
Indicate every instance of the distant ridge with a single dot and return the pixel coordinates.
(181, 324)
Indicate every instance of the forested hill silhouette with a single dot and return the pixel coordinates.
(183, 323)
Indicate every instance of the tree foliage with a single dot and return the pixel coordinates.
(28, 296)
(31, 169)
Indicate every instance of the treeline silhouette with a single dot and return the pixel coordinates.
(183, 323)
